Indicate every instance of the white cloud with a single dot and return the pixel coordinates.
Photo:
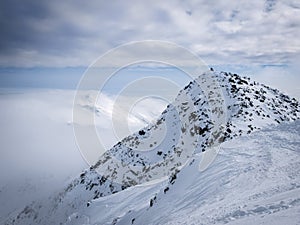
(118, 116)
(38, 147)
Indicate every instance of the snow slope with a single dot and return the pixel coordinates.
(254, 180)
(254, 175)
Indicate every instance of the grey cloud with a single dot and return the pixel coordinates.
(17, 18)
(270, 5)
(72, 33)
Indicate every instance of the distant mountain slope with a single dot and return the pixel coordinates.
(250, 107)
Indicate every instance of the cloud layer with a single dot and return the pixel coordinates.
(74, 33)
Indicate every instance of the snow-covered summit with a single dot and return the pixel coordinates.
(250, 106)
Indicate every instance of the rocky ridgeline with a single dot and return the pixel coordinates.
(251, 106)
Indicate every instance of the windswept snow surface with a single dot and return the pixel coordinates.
(254, 180)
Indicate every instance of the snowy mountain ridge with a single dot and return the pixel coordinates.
(250, 107)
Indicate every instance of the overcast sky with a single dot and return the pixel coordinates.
(74, 33)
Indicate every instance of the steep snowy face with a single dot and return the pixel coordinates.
(162, 149)
(250, 106)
